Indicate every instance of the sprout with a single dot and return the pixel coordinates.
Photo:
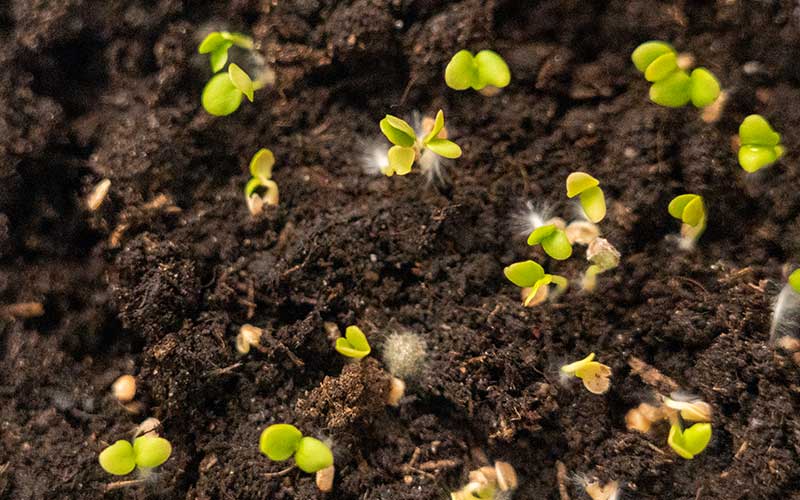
(554, 241)
(249, 336)
(408, 147)
(147, 452)
(643, 417)
(485, 69)
(531, 276)
(672, 86)
(691, 210)
(489, 483)
(282, 441)
(582, 232)
(404, 355)
(261, 182)
(690, 441)
(124, 388)
(397, 389)
(354, 343)
(759, 144)
(595, 375)
(222, 94)
(592, 199)
(786, 315)
(603, 257)
(217, 43)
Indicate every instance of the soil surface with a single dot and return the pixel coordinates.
(158, 280)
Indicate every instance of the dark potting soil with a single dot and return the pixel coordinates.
(158, 280)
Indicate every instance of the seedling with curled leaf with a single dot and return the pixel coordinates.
(217, 43)
(673, 86)
(534, 282)
(553, 239)
(760, 146)
(486, 71)
(408, 147)
(603, 256)
(595, 376)
(592, 199)
(691, 210)
(222, 94)
(690, 441)
(354, 343)
(261, 190)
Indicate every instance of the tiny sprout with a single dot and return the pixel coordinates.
(595, 375)
(485, 69)
(489, 483)
(217, 43)
(249, 336)
(691, 210)
(759, 144)
(592, 199)
(124, 388)
(282, 441)
(582, 232)
(222, 94)
(147, 452)
(554, 241)
(530, 275)
(408, 147)
(261, 182)
(354, 343)
(603, 257)
(690, 441)
(397, 389)
(98, 195)
(643, 417)
(673, 86)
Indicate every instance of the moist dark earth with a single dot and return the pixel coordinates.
(158, 280)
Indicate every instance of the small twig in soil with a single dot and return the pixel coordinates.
(434, 465)
(123, 484)
(654, 448)
(222, 371)
(561, 476)
(651, 376)
(22, 310)
(280, 473)
(406, 91)
(693, 282)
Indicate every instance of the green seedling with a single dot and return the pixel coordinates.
(672, 86)
(554, 241)
(691, 210)
(592, 199)
(408, 147)
(531, 277)
(690, 441)
(596, 376)
(485, 69)
(146, 453)
(217, 43)
(261, 190)
(354, 343)
(282, 441)
(760, 146)
(222, 94)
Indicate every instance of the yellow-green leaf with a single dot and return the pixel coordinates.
(578, 182)
(754, 158)
(648, 52)
(151, 451)
(672, 91)
(678, 204)
(661, 67)
(756, 131)
(541, 233)
(444, 147)
(280, 441)
(691, 441)
(492, 70)
(704, 88)
(524, 274)
(313, 455)
(261, 164)
(794, 280)
(220, 97)
(694, 212)
(557, 245)
(118, 459)
(211, 43)
(398, 136)
(461, 71)
(401, 159)
(241, 81)
(438, 125)
(354, 344)
(593, 202)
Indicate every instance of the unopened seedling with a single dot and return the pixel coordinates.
(686, 441)
(261, 189)
(760, 146)
(554, 241)
(691, 210)
(409, 148)
(147, 452)
(283, 441)
(530, 276)
(690, 441)
(603, 257)
(489, 483)
(596, 376)
(485, 71)
(672, 86)
(592, 199)
(354, 343)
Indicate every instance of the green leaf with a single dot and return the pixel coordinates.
(219, 57)
(444, 147)
(238, 39)
(754, 158)
(151, 451)
(578, 182)
(280, 441)
(648, 52)
(756, 131)
(794, 280)
(261, 164)
(354, 345)
(241, 81)
(593, 202)
(672, 91)
(313, 455)
(492, 70)
(220, 97)
(557, 245)
(704, 88)
(690, 441)
(398, 131)
(118, 459)
(401, 159)
(678, 204)
(524, 274)
(461, 72)
(694, 213)
(251, 186)
(540, 233)
(438, 125)
(211, 43)
(661, 67)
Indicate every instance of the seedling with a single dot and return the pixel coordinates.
(531, 277)
(786, 314)
(760, 146)
(282, 441)
(249, 336)
(147, 452)
(489, 483)
(677, 409)
(261, 189)
(592, 199)
(603, 257)
(596, 376)
(691, 210)
(486, 70)
(690, 441)
(217, 43)
(354, 343)
(672, 86)
(554, 241)
(408, 147)
(222, 94)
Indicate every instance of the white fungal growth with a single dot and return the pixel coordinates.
(785, 316)
(404, 355)
(532, 217)
(375, 159)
